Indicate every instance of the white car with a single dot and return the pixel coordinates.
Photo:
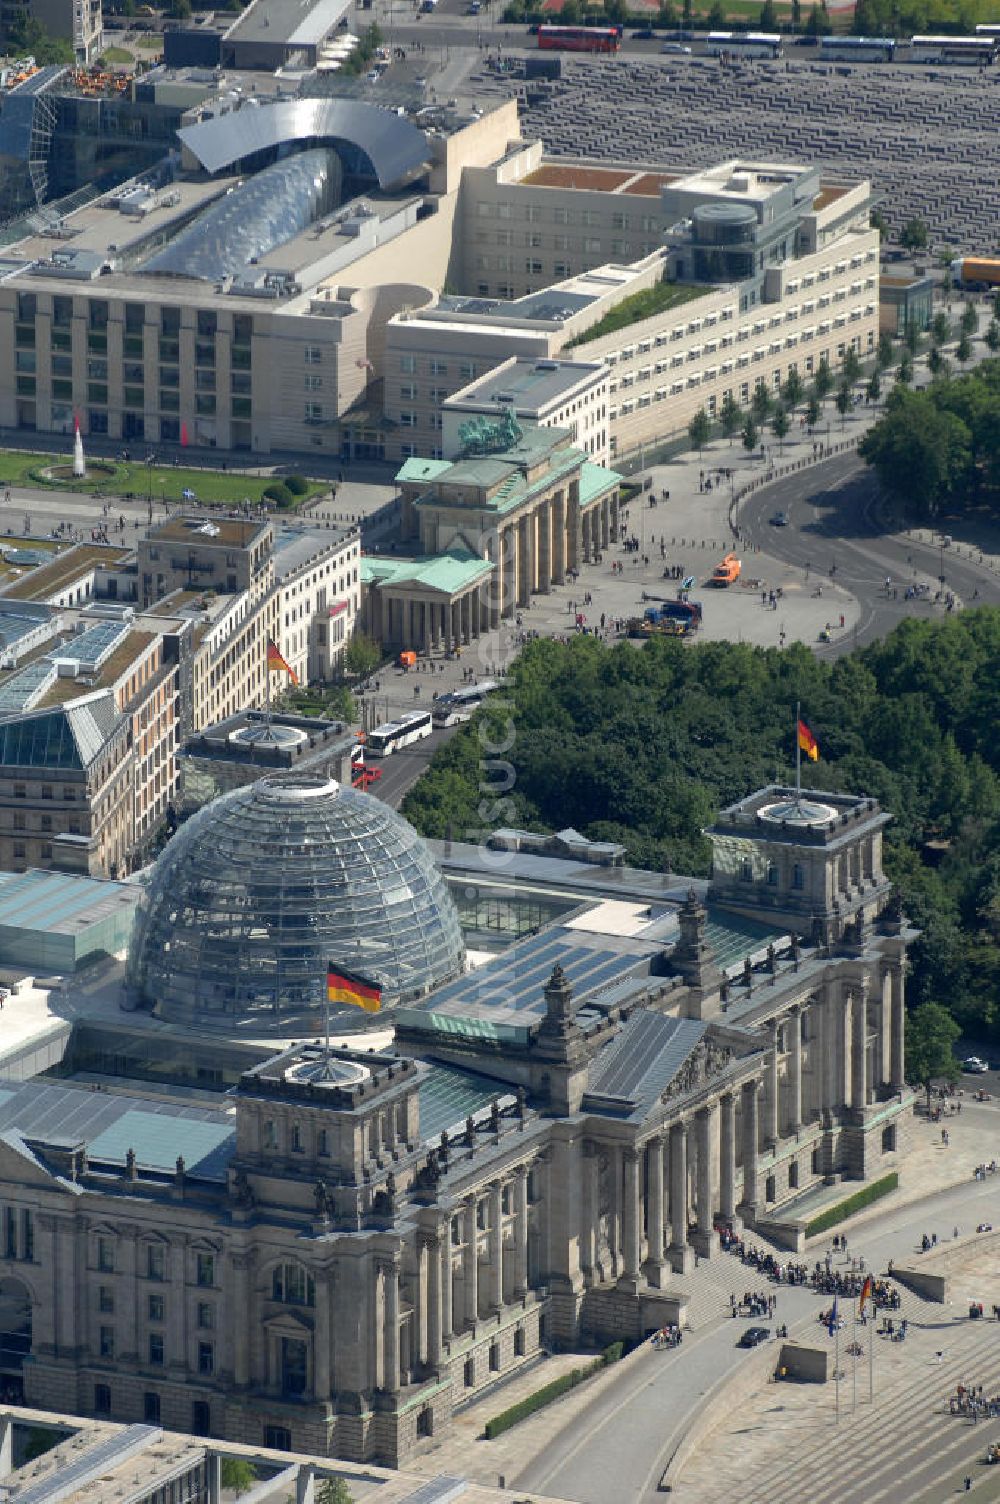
(974, 1065)
(676, 47)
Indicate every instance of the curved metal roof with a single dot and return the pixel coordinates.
(393, 145)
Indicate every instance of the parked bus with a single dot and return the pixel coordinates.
(857, 49)
(394, 735)
(451, 709)
(580, 38)
(975, 51)
(743, 44)
(992, 30)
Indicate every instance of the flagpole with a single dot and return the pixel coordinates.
(267, 691)
(871, 1353)
(854, 1365)
(798, 757)
(836, 1360)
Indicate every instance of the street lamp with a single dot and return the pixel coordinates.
(150, 461)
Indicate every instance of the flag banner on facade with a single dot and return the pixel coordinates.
(808, 743)
(867, 1290)
(276, 661)
(343, 986)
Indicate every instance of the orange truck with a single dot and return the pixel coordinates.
(727, 572)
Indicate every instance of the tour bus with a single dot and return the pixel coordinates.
(451, 709)
(978, 51)
(990, 30)
(857, 49)
(580, 38)
(411, 727)
(743, 43)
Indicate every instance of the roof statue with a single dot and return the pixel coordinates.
(483, 435)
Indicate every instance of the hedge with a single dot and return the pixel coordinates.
(297, 484)
(277, 491)
(851, 1204)
(549, 1392)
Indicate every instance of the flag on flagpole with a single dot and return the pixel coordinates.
(867, 1290)
(807, 742)
(276, 662)
(343, 986)
(834, 1325)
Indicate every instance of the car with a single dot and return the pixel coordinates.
(974, 1065)
(675, 47)
(643, 34)
(779, 519)
(754, 1336)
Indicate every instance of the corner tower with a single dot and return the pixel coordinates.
(813, 863)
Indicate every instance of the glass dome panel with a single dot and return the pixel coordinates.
(266, 886)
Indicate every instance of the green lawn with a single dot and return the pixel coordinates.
(226, 488)
(150, 42)
(116, 55)
(641, 305)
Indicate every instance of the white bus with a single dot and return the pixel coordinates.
(990, 30)
(744, 43)
(978, 51)
(411, 727)
(857, 49)
(458, 706)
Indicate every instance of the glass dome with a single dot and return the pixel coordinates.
(263, 888)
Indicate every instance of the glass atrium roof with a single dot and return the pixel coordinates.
(265, 886)
(259, 215)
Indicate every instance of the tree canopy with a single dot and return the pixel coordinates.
(931, 1033)
(644, 746)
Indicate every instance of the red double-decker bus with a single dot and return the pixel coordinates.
(580, 38)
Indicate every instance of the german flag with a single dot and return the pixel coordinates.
(343, 986)
(275, 661)
(867, 1290)
(808, 742)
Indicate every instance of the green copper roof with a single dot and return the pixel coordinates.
(449, 573)
(416, 469)
(595, 481)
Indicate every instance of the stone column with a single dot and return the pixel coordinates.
(707, 1239)
(545, 547)
(727, 1156)
(508, 602)
(447, 1283)
(322, 1344)
(573, 529)
(390, 1296)
(859, 1047)
(615, 1209)
(241, 1319)
(456, 624)
(681, 1255)
(605, 524)
(521, 1232)
(496, 1247)
(559, 538)
(795, 1072)
(772, 1129)
(897, 1077)
(750, 1136)
(590, 1209)
(654, 1209)
(470, 1268)
(630, 1219)
(432, 1252)
(523, 567)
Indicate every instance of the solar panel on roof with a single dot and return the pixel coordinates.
(517, 980)
(96, 1460)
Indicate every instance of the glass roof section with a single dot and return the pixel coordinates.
(266, 211)
(259, 891)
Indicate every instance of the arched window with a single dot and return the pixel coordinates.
(772, 874)
(293, 1285)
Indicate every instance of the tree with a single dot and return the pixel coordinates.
(819, 23)
(920, 451)
(844, 404)
(878, 222)
(730, 416)
(334, 1491)
(780, 426)
(936, 363)
(904, 374)
(26, 34)
(793, 390)
(687, 12)
(751, 438)
(914, 235)
(812, 412)
(963, 350)
(238, 1475)
(768, 16)
(823, 379)
(667, 16)
(362, 656)
(931, 1034)
(969, 322)
(873, 391)
(884, 352)
(699, 429)
(796, 15)
(717, 15)
(992, 337)
(760, 404)
(851, 368)
(940, 328)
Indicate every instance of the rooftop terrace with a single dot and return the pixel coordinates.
(641, 305)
